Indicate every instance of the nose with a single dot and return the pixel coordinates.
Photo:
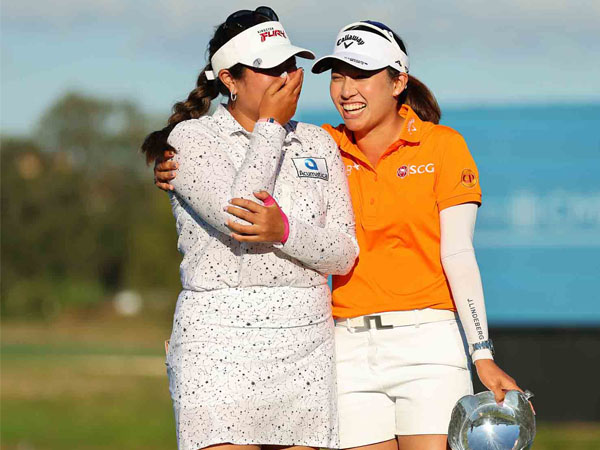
(348, 88)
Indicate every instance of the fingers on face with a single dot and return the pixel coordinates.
(276, 85)
(295, 81)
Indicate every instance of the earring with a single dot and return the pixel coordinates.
(233, 96)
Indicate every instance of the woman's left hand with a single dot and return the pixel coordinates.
(267, 222)
(495, 379)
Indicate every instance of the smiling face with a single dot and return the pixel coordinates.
(364, 99)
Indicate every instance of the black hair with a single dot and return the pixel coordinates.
(416, 95)
(199, 99)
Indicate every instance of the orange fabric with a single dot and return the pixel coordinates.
(397, 207)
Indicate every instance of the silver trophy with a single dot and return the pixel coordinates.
(479, 423)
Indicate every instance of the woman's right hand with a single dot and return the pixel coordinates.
(280, 102)
(165, 170)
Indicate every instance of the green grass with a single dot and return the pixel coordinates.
(85, 385)
(101, 384)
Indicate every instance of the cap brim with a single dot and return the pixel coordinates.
(276, 55)
(360, 61)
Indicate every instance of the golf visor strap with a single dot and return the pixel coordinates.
(262, 46)
(365, 49)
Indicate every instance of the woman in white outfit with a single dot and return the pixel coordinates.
(410, 316)
(251, 355)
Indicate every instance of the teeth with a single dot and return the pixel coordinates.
(353, 106)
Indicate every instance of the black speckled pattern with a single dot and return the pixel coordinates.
(251, 354)
(251, 385)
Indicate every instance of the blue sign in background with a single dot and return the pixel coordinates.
(538, 232)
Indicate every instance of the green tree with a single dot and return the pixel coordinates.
(80, 216)
(95, 132)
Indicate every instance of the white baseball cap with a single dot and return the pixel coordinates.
(262, 46)
(367, 50)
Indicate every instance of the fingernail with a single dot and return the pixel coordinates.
(225, 208)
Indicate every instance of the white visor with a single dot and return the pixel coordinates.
(263, 46)
(365, 50)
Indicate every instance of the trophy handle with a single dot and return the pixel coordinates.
(528, 394)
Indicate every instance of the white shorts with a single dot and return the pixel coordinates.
(399, 381)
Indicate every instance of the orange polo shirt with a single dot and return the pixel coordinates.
(397, 206)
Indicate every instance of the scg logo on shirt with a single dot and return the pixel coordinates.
(404, 171)
(311, 168)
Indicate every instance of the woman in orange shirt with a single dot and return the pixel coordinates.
(410, 316)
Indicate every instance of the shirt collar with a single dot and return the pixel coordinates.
(226, 120)
(412, 132)
(232, 126)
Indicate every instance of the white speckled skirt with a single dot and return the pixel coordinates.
(240, 377)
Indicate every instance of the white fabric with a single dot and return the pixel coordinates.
(365, 50)
(251, 356)
(400, 318)
(460, 265)
(264, 46)
(219, 160)
(251, 385)
(399, 381)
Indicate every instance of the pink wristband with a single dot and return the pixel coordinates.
(270, 201)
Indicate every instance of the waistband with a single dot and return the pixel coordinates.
(255, 307)
(391, 319)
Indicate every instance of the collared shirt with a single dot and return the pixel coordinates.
(397, 205)
(299, 165)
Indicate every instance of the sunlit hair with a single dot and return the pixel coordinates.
(417, 95)
(198, 102)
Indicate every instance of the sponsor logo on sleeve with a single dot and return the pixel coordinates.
(351, 167)
(311, 168)
(468, 178)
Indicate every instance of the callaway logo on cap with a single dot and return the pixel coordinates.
(367, 50)
(263, 46)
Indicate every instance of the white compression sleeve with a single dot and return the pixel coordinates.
(458, 259)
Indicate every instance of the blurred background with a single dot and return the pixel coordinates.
(89, 270)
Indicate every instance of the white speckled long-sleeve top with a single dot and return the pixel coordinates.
(299, 165)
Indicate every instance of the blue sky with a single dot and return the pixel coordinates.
(468, 52)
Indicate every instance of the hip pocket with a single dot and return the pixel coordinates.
(460, 353)
(447, 342)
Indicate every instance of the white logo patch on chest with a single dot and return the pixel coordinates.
(311, 168)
